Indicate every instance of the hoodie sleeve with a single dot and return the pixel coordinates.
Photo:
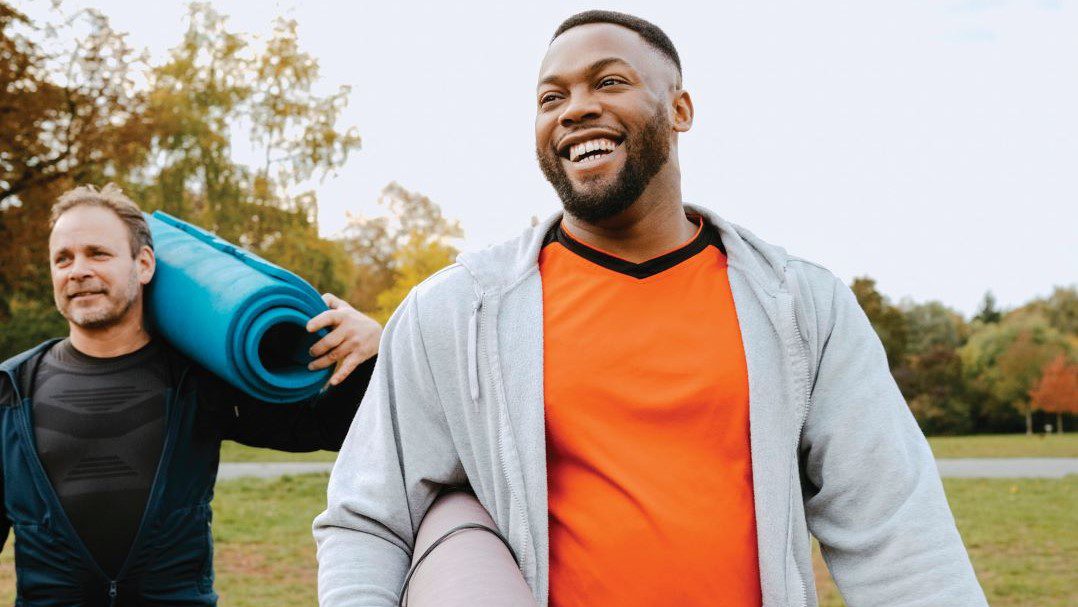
(873, 494)
(398, 454)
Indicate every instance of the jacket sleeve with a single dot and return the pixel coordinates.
(5, 524)
(873, 493)
(397, 456)
(310, 425)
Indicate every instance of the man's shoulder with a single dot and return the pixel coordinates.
(12, 363)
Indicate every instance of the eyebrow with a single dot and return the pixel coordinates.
(591, 69)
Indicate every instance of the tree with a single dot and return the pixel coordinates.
(85, 108)
(420, 257)
(1057, 390)
(930, 372)
(394, 252)
(1001, 362)
(68, 114)
(886, 319)
(988, 313)
(1060, 309)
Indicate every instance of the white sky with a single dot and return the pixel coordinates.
(930, 145)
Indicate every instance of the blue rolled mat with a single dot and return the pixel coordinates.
(238, 315)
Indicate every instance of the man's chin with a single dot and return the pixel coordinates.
(93, 319)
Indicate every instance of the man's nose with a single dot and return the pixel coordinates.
(579, 108)
(80, 268)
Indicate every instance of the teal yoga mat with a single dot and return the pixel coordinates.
(238, 315)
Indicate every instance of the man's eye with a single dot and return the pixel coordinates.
(545, 99)
(610, 82)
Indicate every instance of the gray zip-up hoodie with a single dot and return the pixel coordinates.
(457, 398)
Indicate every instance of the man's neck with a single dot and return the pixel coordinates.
(645, 230)
(110, 342)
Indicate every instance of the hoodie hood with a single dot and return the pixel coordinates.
(500, 267)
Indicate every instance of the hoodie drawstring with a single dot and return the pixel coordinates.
(473, 354)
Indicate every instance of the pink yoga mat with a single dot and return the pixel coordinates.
(471, 568)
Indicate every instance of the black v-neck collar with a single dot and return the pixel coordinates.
(707, 235)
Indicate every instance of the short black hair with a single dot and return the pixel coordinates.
(647, 30)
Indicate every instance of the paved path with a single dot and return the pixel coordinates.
(1010, 467)
(1015, 467)
(231, 470)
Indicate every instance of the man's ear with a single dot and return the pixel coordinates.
(147, 265)
(682, 111)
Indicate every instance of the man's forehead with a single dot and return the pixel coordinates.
(88, 226)
(581, 46)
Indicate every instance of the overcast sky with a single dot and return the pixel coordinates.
(930, 145)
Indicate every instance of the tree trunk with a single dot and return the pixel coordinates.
(1029, 422)
(1059, 422)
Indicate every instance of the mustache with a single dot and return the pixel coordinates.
(84, 289)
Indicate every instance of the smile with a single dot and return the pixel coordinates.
(84, 294)
(588, 151)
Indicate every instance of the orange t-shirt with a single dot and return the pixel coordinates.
(647, 429)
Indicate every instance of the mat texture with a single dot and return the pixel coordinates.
(236, 314)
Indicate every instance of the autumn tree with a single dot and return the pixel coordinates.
(68, 114)
(1002, 361)
(886, 319)
(930, 371)
(1057, 390)
(83, 107)
(394, 252)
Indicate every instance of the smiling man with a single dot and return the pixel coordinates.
(655, 406)
(111, 438)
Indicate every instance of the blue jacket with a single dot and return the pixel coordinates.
(171, 559)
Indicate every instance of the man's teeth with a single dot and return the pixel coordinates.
(603, 146)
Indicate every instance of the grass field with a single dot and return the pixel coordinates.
(1006, 445)
(235, 452)
(1020, 534)
(989, 445)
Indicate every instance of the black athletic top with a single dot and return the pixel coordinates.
(99, 425)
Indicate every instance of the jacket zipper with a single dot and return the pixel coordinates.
(807, 395)
(524, 551)
(50, 492)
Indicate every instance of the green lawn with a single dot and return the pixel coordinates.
(1005, 445)
(1020, 534)
(990, 445)
(235, 452)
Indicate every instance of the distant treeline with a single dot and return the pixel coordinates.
(79, 106)
(999, 372)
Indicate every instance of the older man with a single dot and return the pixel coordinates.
(655, 406)
(111, 439)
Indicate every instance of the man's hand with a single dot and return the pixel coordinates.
(353, 338)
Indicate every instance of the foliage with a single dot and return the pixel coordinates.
(33, 322)
(930, 371)
(1056, 391)
(886, 319)
(1002, 360)
(395, 252)
(80, 106)
(988, 313)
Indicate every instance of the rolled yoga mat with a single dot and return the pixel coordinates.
(238, 315)
(470, 567)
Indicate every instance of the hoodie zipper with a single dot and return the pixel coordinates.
(38, 469)
(807, 395)
(473, 384)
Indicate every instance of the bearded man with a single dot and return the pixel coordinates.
(111, 439)
(655, 406)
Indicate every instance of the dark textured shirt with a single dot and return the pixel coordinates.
(99, 424)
